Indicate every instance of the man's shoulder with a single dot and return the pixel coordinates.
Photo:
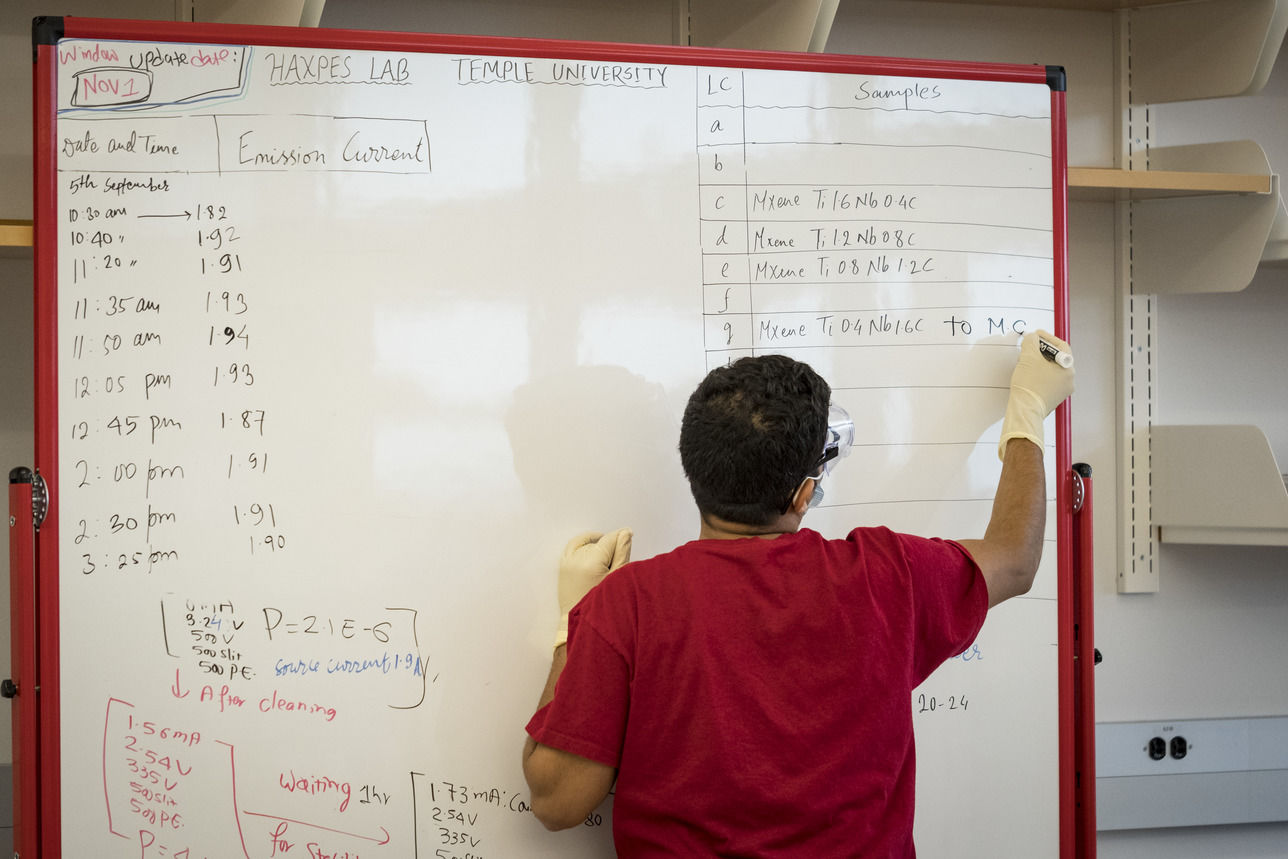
(644, 570)
(883, 536)
(869, 538)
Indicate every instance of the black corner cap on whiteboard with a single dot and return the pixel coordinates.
(21, 474)
(1055, 78)
(45, 30)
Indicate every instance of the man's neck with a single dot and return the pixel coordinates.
(715, 528)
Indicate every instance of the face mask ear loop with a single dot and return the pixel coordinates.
(817, 494)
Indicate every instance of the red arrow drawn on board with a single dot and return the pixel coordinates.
(178, 692)
(382, 840)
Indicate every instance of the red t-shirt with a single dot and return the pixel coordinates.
(755, 694)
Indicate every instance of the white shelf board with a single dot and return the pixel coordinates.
(1085, 5)
(1276, 252)
(1189, 49)
(774, 25)
(1204, 48)
(1217, 485)
(1210, 243)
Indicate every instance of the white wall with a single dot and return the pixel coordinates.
(1208, 643)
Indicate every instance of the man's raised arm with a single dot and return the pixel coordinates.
(1009, 553)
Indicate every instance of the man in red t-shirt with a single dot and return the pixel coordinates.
(750, 691)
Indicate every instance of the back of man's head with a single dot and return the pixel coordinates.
(752, 431)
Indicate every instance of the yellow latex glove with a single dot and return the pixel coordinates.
(585, 561)
(1038, 385)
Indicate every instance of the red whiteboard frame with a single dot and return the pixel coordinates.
(1072, 686)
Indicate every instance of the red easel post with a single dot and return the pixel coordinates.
(1084, 590)
(1065, 575)
(22, 686)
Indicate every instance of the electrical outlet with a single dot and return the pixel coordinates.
(1191, 773)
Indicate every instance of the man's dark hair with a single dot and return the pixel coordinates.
(752, 431)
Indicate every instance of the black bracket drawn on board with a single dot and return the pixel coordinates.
(45, 30)
(1056, 78)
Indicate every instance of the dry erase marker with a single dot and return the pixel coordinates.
(1053, 353)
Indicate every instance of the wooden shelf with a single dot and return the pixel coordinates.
(15, 234)
(1107, 183)
(1217, 485)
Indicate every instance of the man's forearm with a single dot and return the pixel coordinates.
(564, 787)
(1011, 549)
(548, 694)
(1019, 508)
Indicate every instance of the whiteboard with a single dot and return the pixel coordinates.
(350, 342)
